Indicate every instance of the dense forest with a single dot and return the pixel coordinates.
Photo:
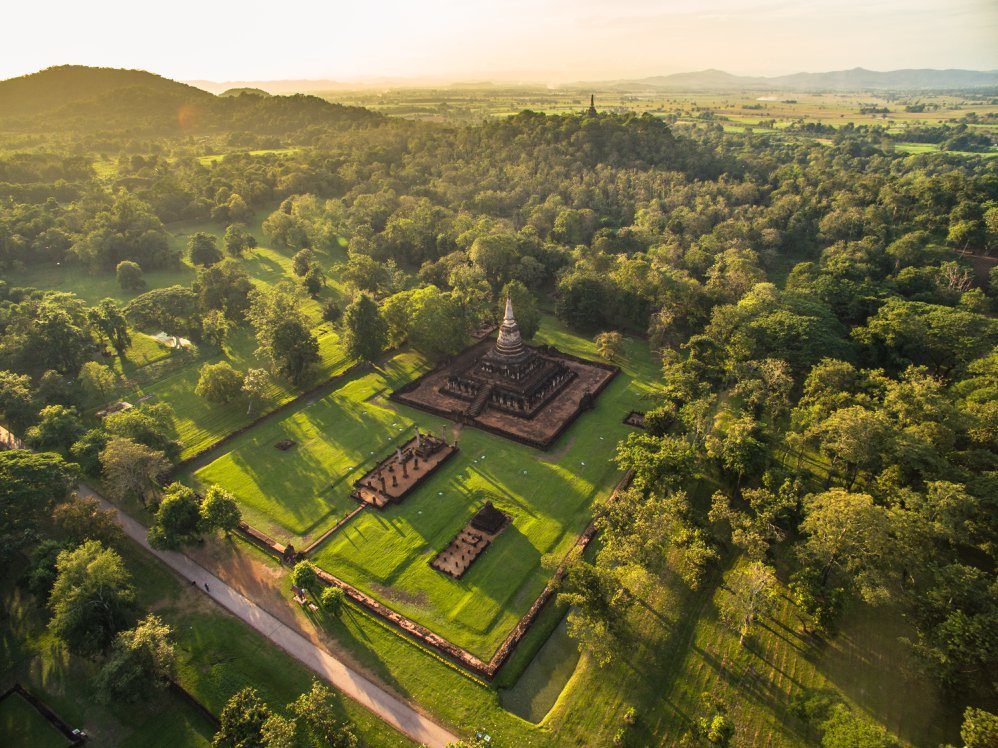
(824, 314)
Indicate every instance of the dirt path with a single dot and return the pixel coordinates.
(396, 712)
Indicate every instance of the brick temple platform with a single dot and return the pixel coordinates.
(391, 480)
(528, 394)
(471, 542)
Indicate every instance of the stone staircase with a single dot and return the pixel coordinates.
(480, 401)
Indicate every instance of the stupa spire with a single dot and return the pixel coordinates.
(509, 344)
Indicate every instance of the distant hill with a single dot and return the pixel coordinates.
(247, 91)
(857, 79)
(59, 87)
(75, 98)
(281, 87)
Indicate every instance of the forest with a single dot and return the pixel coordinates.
(824, 417)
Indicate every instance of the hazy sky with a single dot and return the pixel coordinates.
(543, 40)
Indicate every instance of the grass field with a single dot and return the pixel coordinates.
(549, 496)
(540, 685)
(22, 726)
(295, 494)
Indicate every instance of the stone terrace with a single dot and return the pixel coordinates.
(395, 476)
(542, 429)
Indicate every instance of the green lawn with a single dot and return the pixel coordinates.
(540, 685)
(549, 496)
(200, 423)
(296, 494)
(22, 726)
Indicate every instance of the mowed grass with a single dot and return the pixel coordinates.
(295, 494)
(200, 423)
(549, 496)
(22, 726)
(540, 685)
(677, 648)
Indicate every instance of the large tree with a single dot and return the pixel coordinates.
(282, 330)
(219, 383)
(92, 598)
(132, 470)
(178, 518)
(142, 660)
(242, 721)
(365, 333)
(31, 485)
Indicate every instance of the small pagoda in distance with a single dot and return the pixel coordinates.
(592, 105)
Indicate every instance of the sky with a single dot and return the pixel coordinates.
(551, 41)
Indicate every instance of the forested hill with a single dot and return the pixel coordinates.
(74, 98)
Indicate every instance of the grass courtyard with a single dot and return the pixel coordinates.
(22, 726)
(297, 494)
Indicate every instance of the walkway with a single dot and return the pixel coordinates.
(391, 709)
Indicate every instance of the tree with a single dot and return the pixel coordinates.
(941, 337)
(81, 519)
(332, 599)
(255, 385)
(737, 444)
(496, 255)
(224, 287)
(237, 240)
(855, 437)
(365, 333)
(979, 729)
(242, 721)
(431, 320)
(302, 261)
(173, 309)
(216, 328)
(282, 330)
(594, 619)
(131, 470)
(331, 311)
(314, 280)
(848, 533)
(16, 401)
(609, 345)
(97, 380)
(202, 249)
(129, 276)
(753, 592)
(57, 428)
(141, 662)
(87, 449)
(304, 575)
(219, 510)
(151, 425)
(316, 711)
(92, 598)
(294, 349)
(110, 322)
(219, 383)
(178, 518)
(42, 572)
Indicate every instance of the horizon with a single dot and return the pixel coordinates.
(552, 42)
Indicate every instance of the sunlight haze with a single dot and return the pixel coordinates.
(548, 41)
